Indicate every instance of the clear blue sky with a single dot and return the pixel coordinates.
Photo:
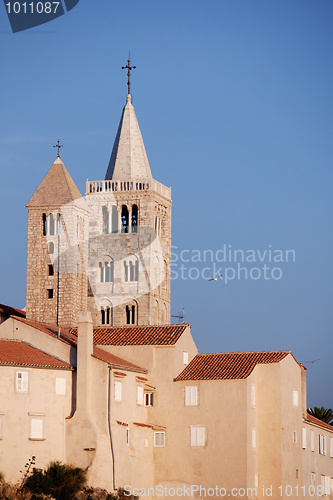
(234, 101)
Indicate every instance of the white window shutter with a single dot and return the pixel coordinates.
(36, 428)
(304, 438)
(327, 485)
(253, 395)
(185, 358)
(22, 379)
(324, 445)
(194, 395)
(139, 395)
(118, 390)
(193, 436)
(331, 449)
(295, 398)
(60, 385)
(200, 436)
(191, 395)
(254, 439)
(312, 441)
(159, 438)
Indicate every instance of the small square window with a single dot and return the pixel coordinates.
(191, 395)
(22, 380)
(159, 439)
(139, 395)
(51, 270)
(118, 390)
(149, 399)
(60, 385)
(197, 436)
(36, 429)
(50, 293)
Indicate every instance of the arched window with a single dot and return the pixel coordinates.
(51, 225)
(131, 269)
(124, 219)
(51, 248)
(114, 219)
(130, 314)
(44, 225)
(135, 221)
(106, 270)
(105, 213)
(105, 313)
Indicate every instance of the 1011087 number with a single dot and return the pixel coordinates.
(47, 7)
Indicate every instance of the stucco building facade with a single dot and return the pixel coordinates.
(95, 375)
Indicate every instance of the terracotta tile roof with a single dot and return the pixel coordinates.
(11, 311)
(228, 365)
(67, 336)
(56, 189)
(113, 360)
(18, 353)
(138, 335)
(65, 333)
(317, 421)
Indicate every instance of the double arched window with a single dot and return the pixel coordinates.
(51, 224)
(106, 270)
(131, 269)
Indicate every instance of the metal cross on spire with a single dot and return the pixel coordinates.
(58, 146)
(129, 67)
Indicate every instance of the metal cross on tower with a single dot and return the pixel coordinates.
(58, 146)
(129, 67)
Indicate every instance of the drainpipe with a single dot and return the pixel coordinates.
(110, 432)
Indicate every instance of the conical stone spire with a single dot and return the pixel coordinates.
(128, 158)
(56, 189)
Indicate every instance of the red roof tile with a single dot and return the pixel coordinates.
(228, 365)
(18, 353)
(65, 333)
(68, 337)
(137, 335)
(11, 311)
(317, 421)
(113, 360)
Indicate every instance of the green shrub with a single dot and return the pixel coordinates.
(59, 480)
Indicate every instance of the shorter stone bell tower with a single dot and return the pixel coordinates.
(57, 250)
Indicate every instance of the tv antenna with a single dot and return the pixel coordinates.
(180, 316)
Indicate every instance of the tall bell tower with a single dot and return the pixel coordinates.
(129, 236)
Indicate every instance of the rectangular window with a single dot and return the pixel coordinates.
(36, 428)
(295, 398)
(149, 399)
(185, 358)
(304, 438)
(51, 270)
(327, 485)
(127, 436)
(324, 445)
(254, 439)
(312, 441)
(294, 436)
(191, 395)
(331, 447)
(50, 293)
(139, 395)
(313, 477)
(253, 395)
(118, 390)
(159, 439)
(197, 436)
(60, 385)
(21, 384)
(321, 444)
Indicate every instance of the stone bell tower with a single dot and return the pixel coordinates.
(57, 250)
(129, 236)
